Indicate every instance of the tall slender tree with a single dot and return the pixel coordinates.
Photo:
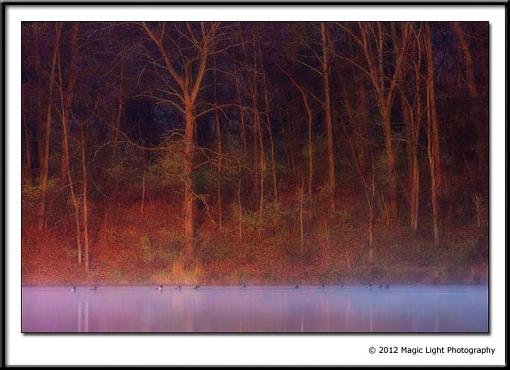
(186, 67)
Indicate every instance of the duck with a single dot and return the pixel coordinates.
(380, 286)
(196, 287)
(322, 286)
(341, 286)
(160, 287)
(370, 285)
(73, 289)
(387, 286)
(94, 287)
(178, 287)
(297, 286)
(244, 286)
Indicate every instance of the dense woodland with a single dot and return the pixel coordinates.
(254, 152)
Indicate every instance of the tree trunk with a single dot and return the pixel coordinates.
(241, 111)
(479, 120)
(74, 198)
(219, 174)
(220, 153)
(370, 201)
(301, 215)
(432, 110)
(468, 58)
(433, 137)
(142, 207)
(268, 125)
(69, 92)
(188, 182)
(27, 173)
(257, 124)
(120, 106)
(329, 119)
(189, 82)
(66, 100)
(390, 162)
(240, 210)
(309, 121)
(47, 134)
(412, 127)
(85, 198)
(309, 145)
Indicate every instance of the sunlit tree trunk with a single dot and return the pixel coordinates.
(412, 112)
(414, 133)
(85, 202)
(239, 210)
(188, 84)
(188, 182)
(370, 195)
(67, 90)
(433, 137)
(144, 185)
(220, 152)
(47, 133)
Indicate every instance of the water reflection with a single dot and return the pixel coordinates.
(256, 309)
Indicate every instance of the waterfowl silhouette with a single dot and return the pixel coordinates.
(94, 288)
(387, 286)
(179, 287)
(322, 286)
(380, 286)
(341, 286)
(196, 287)
(297, 286)
(370, 285)
(73, 289)
(160, 287)
(244, 286)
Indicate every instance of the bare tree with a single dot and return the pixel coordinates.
(433, 149)
(371, 39)
(66, 93)
(184, 59)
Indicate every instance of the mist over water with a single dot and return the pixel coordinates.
(256, 309)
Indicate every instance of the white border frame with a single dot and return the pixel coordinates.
(324, 349)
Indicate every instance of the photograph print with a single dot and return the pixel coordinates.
(247, 177)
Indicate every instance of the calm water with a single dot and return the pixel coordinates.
(256, 309)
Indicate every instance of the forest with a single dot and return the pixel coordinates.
(255, 152)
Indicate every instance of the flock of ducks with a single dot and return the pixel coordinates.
(196, 287)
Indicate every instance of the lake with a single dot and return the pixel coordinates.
(256, 309)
